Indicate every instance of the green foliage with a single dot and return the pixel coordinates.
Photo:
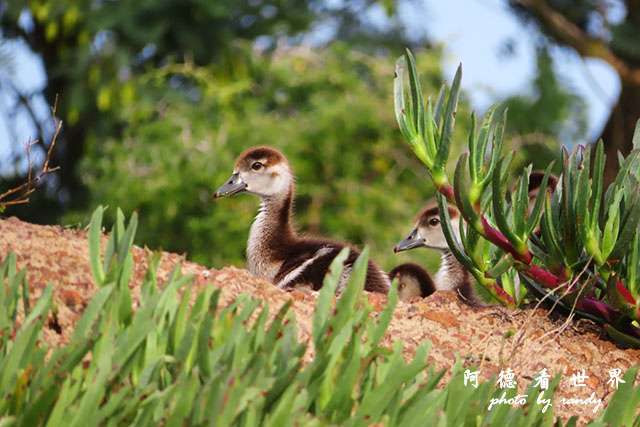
(322, 109)
(94, 53)
(589, 253)
(94, 47)
(179, 363)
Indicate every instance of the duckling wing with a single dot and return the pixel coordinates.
(307, 265)
(309, 261)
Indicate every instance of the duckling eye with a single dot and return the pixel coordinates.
(256, 166)
(434, 221)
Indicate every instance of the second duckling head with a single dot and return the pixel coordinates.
(413, 281)
(261, 171)
(427, 231)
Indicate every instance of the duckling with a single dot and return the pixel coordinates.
(427, 233)
(275, 250)
(535, 180)
(413, 281)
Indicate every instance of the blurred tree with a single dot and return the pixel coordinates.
(607, 30)
(544, 117)
(329, 110)
(155, 126)
(92, 51)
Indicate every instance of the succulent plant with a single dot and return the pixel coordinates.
(586, 255)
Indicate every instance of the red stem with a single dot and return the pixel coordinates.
(503, 294)
(498, 239)
(597, 308)
(542, 276)
(536, 273)
(447, 191)
(622, 290)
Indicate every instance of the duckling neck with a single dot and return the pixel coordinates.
(452, 275)
(271, 233)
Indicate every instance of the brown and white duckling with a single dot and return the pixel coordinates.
(274, 250)
(413, 281)
(427, 233)
(535, 180)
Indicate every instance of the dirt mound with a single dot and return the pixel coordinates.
(494, 338)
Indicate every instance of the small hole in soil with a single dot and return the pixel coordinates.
(52, 322)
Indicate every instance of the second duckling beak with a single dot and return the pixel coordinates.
(413, 240)
(233, 186)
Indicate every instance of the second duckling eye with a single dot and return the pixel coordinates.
(256, 166)
(434, 221)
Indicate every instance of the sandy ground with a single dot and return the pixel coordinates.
(494, 338)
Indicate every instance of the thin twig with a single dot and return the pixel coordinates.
(568, 284)
(27, 187)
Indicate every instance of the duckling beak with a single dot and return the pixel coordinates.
(413, 240)
(233, 186)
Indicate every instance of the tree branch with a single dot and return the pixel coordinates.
(567, 33)
(20, 194)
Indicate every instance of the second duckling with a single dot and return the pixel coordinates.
(413, 281)
(427, 233)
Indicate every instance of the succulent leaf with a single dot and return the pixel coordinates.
(534, 216)
(449, 120)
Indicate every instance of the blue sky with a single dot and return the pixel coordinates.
(471, 31)
(25, 71)
(474, 32)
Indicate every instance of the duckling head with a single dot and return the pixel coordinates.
(261, 171)
(535, 181)
(427, 231)
(413, 281)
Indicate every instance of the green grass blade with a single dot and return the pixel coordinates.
(325, 296)
(622, 407)
(18, 356)
(384, 319)
(94, 245)
(90, 402)
(611, 226)
(41, 309)
(91, 313)
(127, 238)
